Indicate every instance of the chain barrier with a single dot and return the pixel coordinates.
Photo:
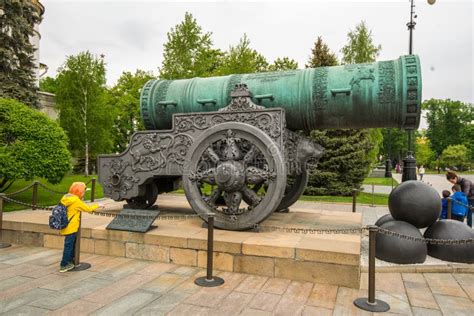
(20, 191)
(294, 230)
(426, 240)
(464, 205)
(49, 189)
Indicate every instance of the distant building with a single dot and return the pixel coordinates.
(47, 100)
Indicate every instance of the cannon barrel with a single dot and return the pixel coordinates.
(380, 94)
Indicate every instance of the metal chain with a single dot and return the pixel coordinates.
(426, 240)
(19, 191)
(50, 190)
(46, 208)
(305, 231)
(462, 204)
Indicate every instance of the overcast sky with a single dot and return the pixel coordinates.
(131, 34)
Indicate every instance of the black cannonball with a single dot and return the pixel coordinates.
(399, 250)
(384, 219)
(452, 230)
(416, 203)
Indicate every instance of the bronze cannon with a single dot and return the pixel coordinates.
(235, 141)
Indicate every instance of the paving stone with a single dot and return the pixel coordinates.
(163, 304)
(109, 264)
(23, 251)
(295, 297)
(41, 271)
(320, 311)
(418, 291)
(276, 286)
(12, 282)
(26, 287)
(127, 304)
(323, 295)
(208, 296)
(69, 279)
(444, 284)
(157, 268)
(122, 270)
(71, 293)
(26, 311)
(254, 312)
(232, 280)
(345, 302)
(188, 271)
(452, 305)
(187, 309)
(274, 245)
(466, 280)
(398, 304)
(78, 307)
(46, 261)
(118, 289)
(419, 311)
(233, 304)
(391, 283)
(8, 304)
(164, 283)
(252, 284)
(265, 301)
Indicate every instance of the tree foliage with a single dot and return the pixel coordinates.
(455, 157)
(17, 76)
(284, 63)
(394, 144)
(48, 84)
(449, 122)
(124, 97)
(424, 154)
(321, 55)
(188, 52)
(360, 47)
(83, 112)
(31, 145)
(242, 59)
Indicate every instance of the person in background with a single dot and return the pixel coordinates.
(467, 188)
(397, 168)
(73, 201)
(421, 172)
(444, 204)
(458, 209)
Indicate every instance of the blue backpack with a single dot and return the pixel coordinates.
(58, 218)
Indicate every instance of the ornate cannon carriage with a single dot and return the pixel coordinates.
(234, 141)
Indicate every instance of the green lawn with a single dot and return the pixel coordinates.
(45, 197)
(381, 181)
(362, 198)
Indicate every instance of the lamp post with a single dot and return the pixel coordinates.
(409, 162)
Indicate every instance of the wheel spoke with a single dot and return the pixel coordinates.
(250, 155)
(212, 199)
(212, 155)
(207, 176)
(232, 200)
(256, 175)
(251, 196)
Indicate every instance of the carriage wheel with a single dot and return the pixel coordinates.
(223, 164)
(145, 201)
(294, 188)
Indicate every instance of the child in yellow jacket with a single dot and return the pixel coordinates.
(75, 205)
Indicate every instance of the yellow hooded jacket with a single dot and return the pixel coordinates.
(74, 206)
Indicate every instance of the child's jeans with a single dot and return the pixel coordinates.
(68, 253)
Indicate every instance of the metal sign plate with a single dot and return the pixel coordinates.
(134, 220)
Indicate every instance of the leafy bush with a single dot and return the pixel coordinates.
(455, 157)
(31, 145)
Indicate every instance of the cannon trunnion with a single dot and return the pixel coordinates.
(236, 153)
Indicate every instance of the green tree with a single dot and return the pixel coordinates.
(423, 153)
(321, 55)
(17, 75)
(394, 144)
(242, 59)
(284, 63)
(455, 156)
(448, 123)
(31, 145)
(188, 52)
(360, 47)
(48, 84)
(125, 98)
(83, 112)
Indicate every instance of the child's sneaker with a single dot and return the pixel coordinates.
(68, 267)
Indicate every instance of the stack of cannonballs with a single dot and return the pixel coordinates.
(414, 205)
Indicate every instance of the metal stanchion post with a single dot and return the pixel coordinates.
(450, 208)
(354, 200)
(93, 190)
(209, 280)
(373, 196)
(79, 266)
(371, 303)
(34, 200)
(2, 244)
(392, 184)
